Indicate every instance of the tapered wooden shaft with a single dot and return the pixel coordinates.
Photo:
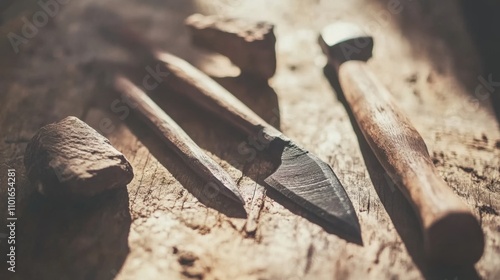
(452, 234)
(188, 80)
(173, 135)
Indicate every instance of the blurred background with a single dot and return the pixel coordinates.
(467, 30)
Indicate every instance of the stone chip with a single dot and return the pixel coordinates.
(71, 159)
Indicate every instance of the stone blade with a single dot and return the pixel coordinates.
(312, 184)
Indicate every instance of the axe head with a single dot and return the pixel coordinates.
(344, 41)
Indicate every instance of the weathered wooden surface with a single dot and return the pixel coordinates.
(162, 227)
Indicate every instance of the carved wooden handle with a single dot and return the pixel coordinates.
(452, 234)
(207, 93)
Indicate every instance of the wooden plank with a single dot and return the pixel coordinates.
(162, 228)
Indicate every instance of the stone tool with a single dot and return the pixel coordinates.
(69, 159)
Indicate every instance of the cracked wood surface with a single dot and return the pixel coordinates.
(164, 226)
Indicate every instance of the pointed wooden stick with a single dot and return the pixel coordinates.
(173, 135)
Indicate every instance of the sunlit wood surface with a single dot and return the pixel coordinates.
(162, 226)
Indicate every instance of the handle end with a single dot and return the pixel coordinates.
(455, 239)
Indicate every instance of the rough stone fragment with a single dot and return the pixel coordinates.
(69, 158)
(250, 45)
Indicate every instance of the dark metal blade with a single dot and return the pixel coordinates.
(311, 183)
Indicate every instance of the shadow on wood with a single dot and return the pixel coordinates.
(263, 100)
(467, 31)
(400, 211)
(193, 121)
(187, 177)
(74, 239)
(208, 131)
(482, 22)
(256, 94)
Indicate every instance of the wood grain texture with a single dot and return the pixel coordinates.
(161, 228)
(452, 234)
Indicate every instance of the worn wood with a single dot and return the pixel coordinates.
(452, 234)
(217, 180)
(249, 44)
(69, 159)
(161, 228)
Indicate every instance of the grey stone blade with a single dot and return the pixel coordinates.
(311, 183)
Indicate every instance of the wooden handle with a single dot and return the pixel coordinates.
(452, 234)
(173, 135)
(200, 88)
